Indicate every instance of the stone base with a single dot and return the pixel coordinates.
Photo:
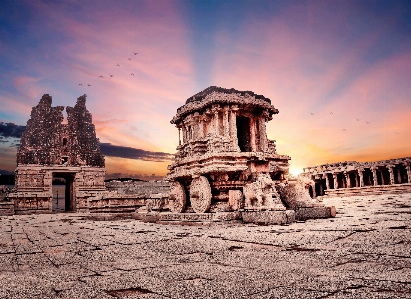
(6, 208)
(305, 213)
(268, 217)
(187, 217)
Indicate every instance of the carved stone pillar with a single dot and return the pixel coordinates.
(195, 126)
(201, 120)
(215, 110)
(361, 174)
(226, 125)
(179, 139)
(253, 134)
(335, 177)
(262, 130)
(391, 171)
(184, 134)
(347, 179)
(327, 181)
(233, 127)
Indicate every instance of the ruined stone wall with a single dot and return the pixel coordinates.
(138, 188)
(40, 142)
(46, 141)
(85, 149)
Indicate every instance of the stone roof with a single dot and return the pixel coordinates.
(198, 97)
(214, 95)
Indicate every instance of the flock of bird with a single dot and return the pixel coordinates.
(101, 76)
(367, 122)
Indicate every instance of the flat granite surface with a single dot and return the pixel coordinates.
(365, 252)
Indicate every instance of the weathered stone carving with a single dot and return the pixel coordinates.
(261, 194)
(296, 195)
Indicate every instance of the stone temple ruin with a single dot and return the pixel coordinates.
(49, 148)
(354, 178)
(225, 167)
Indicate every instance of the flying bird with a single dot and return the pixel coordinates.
(331, 113)
(132, 74)
(358, 119)
(88, 84)
(80, 84)
(367, 122)
(135, 53)
(129, 59)
(111, 75)
(344, 130)
(397, 133)
(100, 76)
(117, 65)
(312, 113)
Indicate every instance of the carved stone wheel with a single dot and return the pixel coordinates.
(177, 198)
(200, 194)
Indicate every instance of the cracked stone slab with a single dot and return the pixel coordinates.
(361, 253)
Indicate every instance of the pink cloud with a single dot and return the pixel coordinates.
(298, 74)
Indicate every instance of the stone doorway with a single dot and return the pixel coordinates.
(243, 133)
(63, 199)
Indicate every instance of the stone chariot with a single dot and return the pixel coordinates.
(225, 161)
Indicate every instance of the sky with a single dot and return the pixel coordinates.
(339, 72)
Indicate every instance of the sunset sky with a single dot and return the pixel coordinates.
(329, 67)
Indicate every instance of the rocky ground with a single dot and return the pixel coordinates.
(362, 253)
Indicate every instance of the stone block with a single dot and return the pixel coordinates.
(266, 217)
(314, 212)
